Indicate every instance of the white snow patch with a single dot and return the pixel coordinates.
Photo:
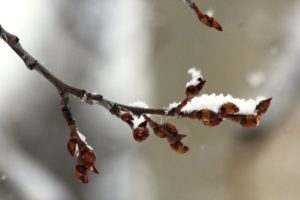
(140, 104)
(195, 75)
(81, 136)
(213, 102)
(171, 106)
(210, 12)
(138, 120)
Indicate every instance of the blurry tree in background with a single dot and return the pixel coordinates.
(137, 50)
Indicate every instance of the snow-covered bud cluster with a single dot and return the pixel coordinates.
(138, 124)
(139, 128)
(212, 109)
(196, 84)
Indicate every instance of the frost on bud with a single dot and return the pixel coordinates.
(263, 106)
(193, 90)
(196, 84)
(228, 109)
(209, 118)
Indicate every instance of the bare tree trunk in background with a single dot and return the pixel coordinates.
(102, 46)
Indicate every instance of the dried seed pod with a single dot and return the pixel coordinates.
(228, 109)
(140, 134)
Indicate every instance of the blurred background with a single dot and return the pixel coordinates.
(141, 50)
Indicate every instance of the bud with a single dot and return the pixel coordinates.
(250, 121)
(228, 109)
(81, 173)
(140, 134)
(209, 118)
(72, 143)
(263, 106)
(179, 147)
(193, 90)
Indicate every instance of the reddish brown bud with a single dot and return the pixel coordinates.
(81, 173)
(143, 124)
(140, 134)
(235, 118)
(228, 109)
(209, 118)
(263, 106)
(250, 121)
(210, 22)
(205, 19)
(87, 157)
(215, 121)
(126, 117)
(170, 128)
(159, 132)
(193, 90)
(179, 147)
(72, 143)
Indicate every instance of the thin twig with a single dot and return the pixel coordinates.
(62, 87)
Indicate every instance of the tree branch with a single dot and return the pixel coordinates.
(211, 110)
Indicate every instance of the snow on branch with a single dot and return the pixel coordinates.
(210, 109)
